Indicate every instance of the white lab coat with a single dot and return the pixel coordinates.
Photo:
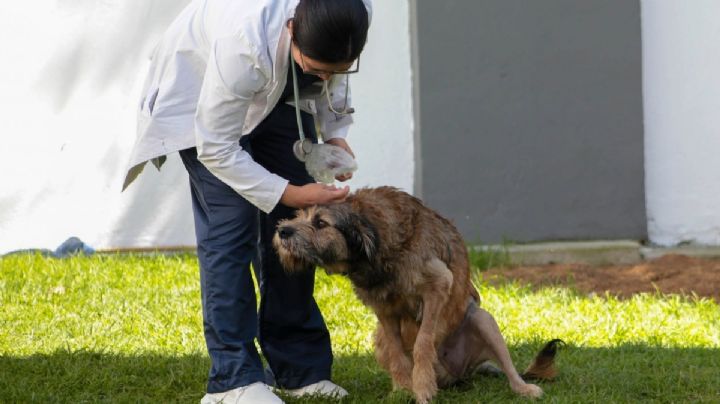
(217, 73)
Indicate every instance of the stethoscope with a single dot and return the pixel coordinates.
(304, 146)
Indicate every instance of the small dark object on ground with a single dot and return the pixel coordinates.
(70, 247)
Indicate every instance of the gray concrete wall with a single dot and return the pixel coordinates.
(530, 117)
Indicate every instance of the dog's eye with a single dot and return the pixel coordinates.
(319, 223)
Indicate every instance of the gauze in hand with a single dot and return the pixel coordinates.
(324, 161)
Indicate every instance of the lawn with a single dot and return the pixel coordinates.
(128, 329)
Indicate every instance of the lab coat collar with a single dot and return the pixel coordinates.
(281, 56)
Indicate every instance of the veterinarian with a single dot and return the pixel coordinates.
(217, 92)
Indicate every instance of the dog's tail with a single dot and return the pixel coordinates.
(543, 366)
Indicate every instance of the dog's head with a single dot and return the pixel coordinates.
(333, 237)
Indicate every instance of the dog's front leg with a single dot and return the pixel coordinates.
(390, 353)
(435, 294)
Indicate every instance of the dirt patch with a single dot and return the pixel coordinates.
(677, 274)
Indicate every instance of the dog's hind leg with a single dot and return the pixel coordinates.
(487, 328)
(435, 293)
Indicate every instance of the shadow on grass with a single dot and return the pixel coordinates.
(89, 377)
(628, 373)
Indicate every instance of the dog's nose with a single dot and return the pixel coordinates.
(286, 232)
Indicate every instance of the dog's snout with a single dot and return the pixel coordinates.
(286, 232)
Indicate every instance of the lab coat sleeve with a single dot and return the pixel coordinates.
(234, 75)
(332, 125)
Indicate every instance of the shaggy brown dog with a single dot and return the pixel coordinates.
(410, 265)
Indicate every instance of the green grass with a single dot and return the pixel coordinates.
(128, 329)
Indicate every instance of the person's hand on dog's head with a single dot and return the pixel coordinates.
(313, 194)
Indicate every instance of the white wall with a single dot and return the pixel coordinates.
(71, 74)
(681, 68)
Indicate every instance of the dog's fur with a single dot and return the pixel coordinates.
(410, 265)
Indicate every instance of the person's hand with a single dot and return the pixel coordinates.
(340, 142)
(313, 194)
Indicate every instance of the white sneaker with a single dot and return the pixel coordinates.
(256, 393)
(324, 388)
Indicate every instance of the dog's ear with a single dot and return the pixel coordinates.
(360, 235)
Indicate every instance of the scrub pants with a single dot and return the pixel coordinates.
(231, 234)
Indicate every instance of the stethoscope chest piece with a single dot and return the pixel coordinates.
(302, 148)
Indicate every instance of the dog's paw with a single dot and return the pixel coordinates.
(528, 390)
(424, 388)
(399, 385)
(423, 397)
(401, 374)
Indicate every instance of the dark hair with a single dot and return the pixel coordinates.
(331, 31)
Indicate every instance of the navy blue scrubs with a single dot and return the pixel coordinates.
(231, 234)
